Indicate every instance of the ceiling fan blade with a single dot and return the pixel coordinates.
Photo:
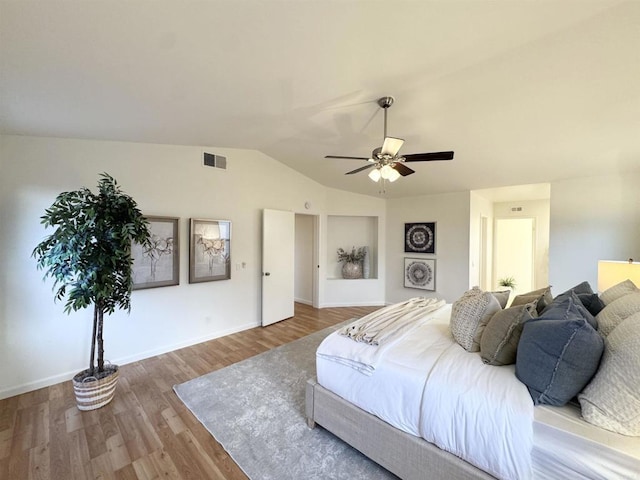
(391, 146)
(348, 158)
(428, 157)
(402, 169)
(360, 169)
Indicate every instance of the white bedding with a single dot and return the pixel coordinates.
(566, 446)
(481, 413)
(365, 356)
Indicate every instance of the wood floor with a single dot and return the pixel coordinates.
(146, 432)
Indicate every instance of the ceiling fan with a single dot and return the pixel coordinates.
(388, 164)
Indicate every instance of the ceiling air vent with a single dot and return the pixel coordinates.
(215, 161)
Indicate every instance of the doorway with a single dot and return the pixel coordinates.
(514, 252)
(305, 259)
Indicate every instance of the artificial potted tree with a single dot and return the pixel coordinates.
(88, 257)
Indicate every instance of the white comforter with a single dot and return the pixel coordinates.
(429, 386)
(356, 345)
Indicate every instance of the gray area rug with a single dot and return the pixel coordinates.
(255, 410)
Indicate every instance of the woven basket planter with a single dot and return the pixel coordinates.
(92, 393)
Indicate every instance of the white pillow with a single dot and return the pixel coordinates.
(469, 315)
(617, 311)
(619, 290)
(611, 399)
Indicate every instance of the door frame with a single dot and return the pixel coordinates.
(315, 256)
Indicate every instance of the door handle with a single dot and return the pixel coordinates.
(266, 274)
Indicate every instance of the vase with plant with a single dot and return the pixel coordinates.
(352, 262)
(88, 256)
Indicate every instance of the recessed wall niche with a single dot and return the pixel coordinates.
(345, 231)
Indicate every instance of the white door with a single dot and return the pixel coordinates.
(278, 249)
(513, 253)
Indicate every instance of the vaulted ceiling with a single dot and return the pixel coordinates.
(522, 91)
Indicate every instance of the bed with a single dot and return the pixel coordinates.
(429, 408)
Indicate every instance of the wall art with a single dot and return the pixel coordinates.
(420, 237)
(209, 250)
(420, 273)
(157, 265)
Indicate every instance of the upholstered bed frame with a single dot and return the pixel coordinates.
(405, 455)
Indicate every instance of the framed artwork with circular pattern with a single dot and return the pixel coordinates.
(420, 273)
(420, 237)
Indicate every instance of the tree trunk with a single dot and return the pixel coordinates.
(93, 340)
(100, 341)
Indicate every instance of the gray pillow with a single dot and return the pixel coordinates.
(469, 315)
(499, 342)
(611, 399)
(543, 295)
(619, 290)
(558, 355)
(617, 311)
(502, 297)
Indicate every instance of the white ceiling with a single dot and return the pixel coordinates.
(523, 91)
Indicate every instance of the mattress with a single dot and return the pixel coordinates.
(566, 446)
(562, 445)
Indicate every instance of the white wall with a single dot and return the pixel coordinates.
(592, 219)
(451, 212)
(40, 345)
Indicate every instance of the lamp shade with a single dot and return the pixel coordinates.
(611, 273)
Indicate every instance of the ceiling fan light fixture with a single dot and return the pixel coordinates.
(375, 174)
(386, 172)
(394, 175)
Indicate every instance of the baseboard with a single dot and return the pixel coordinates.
(304, 301)
(352, 304)
(63, 377)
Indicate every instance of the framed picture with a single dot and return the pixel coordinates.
(420, 237)
(209, 250)
(420, 273)
(157, 265)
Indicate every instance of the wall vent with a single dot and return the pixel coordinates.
(215, 161)
(516, 209)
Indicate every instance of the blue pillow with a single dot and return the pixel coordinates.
(583, 287)
(563, 303)
(558, 354)
(589, 299)
(591, 302)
